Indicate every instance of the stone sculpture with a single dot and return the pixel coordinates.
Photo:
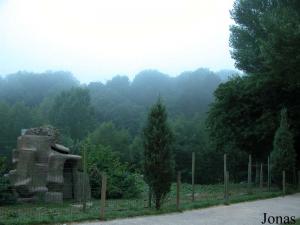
(45, 170)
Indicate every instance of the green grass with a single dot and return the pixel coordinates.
(297, 222)
(205, 196)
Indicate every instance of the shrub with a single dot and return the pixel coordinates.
(2, 165)
(120, 182)
(6, 194)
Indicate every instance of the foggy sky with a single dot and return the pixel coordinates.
(97, 39)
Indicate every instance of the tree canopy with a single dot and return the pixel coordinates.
(72, 113)
(265, 45)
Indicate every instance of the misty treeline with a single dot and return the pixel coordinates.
(110, 117)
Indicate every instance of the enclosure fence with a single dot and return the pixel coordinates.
(79, 202)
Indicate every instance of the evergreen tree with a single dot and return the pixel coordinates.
(158, 163)
(283, 156)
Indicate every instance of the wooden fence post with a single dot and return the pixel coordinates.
(193, 176)
(261, 177)
(298, 179)
(103, 195)
(178, 190)
(225, 180)
(227, 188)
(283, 183)
(269, 174)
(149, 198)
(84, 179)
(256, 173)
(225, 170)
(249, 174)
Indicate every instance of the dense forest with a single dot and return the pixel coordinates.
(112, 114)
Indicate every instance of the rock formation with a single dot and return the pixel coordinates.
(45, 170)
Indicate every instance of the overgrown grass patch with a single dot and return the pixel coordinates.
(205, 196)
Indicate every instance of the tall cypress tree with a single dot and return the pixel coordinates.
(283, 156)
(159, 163)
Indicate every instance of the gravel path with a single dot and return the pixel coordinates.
(247, 213)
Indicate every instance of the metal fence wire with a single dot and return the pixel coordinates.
(71, 197)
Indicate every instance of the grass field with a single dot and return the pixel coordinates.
(205, 196)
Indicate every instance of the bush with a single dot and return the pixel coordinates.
(120, 182)
(2, 165)
(6, 193)
(132, 185)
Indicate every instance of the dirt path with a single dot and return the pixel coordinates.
(247, 213)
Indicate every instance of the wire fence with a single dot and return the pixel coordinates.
(69, 198)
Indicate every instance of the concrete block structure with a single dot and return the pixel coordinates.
(46, 171)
